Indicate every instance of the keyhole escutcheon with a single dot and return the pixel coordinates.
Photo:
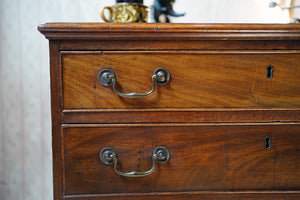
(270, 70)
(267, 142)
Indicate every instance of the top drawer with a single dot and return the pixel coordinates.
(198, 79)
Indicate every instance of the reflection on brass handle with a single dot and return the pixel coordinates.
(109, 156)
(107, 77)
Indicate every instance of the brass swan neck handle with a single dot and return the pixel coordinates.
(109, 156)
(107, 77)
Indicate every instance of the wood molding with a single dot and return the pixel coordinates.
(135, 31)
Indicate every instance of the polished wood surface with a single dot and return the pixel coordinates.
(202, 157)
(213, 115)
(212, 195)
(198, 79)
(152, 31)
(56, 119)
(180, 116)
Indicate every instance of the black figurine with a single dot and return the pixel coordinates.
(162, 9)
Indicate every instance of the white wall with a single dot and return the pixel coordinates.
(295, 13)
(25, 130)
(229, 11)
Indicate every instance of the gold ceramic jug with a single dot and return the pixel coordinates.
(125, 13)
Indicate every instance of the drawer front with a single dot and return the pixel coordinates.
(198, 80)
(202, 158)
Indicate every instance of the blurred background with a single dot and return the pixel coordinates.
(25, 122)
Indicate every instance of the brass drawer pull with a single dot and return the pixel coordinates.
(107, 78)
(109, 156)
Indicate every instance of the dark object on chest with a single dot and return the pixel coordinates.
(162, 9)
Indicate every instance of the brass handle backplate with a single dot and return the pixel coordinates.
(109, 156)
(107, 77)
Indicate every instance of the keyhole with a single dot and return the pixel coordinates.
(267, 142)
(270, 70)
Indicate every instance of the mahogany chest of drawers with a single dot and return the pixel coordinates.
(175, 111)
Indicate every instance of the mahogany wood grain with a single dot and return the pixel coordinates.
(152, 31)
(212, 195)
(179, 45)
(213, 115)
(202, 157)
(198, 79)
(180, 115)
(56, 91)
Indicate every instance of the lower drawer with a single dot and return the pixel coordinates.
(203, 157)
